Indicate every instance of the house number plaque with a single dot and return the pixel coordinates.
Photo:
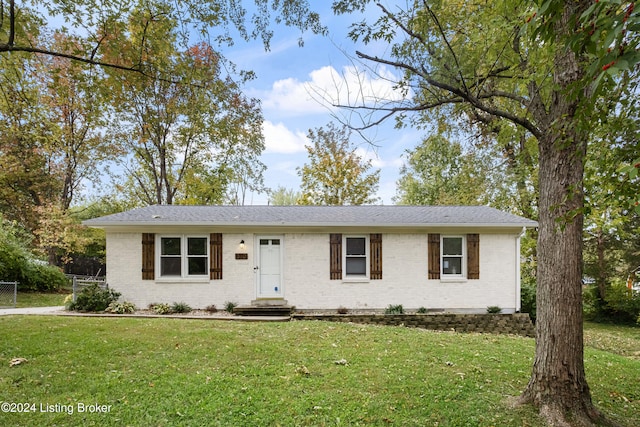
(242, 256)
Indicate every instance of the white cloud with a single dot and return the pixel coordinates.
(326, 87)
(379, 160)
(279, 139)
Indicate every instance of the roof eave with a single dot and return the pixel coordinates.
(139, 224)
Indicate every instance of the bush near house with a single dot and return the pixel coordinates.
(394, 309)
(93, 298)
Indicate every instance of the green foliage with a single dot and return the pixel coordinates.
(494, 309)
(336, 174)
(528, 299)
(438, 172)
(282, 196)
(160, 308)
(394, 309)
(229, 306)
(619, 305)
(180, 307)
(124, 307)
(422, 310)
(17, 263)
(42, 278)
(211, 308)
(93, 298)
(607, 33)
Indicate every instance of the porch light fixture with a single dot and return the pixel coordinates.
(242, 246)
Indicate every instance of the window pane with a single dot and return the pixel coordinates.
(452, 245)
(170, 266)
(264, 242)
(197, 266)
(197, 246)
(356, 246)
(170, 246)
(275, 242)
(356, 266)
(452, 265)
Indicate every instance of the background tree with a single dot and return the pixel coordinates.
(26, 166)
(175, 131)
(611, 224)
(438, 172)
(75, 104)
(283, 196)
(510, 78)
(336, 174)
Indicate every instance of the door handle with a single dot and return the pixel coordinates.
(256, 268)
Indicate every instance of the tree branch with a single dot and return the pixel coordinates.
(460, 95)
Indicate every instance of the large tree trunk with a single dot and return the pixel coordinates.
(558, 384)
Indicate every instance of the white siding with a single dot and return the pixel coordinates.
(306, 276)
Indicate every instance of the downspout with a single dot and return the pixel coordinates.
(518, 256)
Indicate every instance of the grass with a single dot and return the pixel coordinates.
(165, 372)
(41, 299)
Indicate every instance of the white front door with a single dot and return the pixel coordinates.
(269, 277)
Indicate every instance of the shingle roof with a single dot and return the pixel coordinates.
(313, 216)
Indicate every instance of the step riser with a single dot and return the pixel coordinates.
(282, 310)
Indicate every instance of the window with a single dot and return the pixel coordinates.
(356, 256)
(452, 256)
(184, 256)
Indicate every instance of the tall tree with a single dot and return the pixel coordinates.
(27, 171)
(438, 172)
(336, 174)
(453, 63)
(73, 95)
(175, 131)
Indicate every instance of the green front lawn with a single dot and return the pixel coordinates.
(40, 299)
(166, 372)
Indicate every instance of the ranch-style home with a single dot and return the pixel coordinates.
(442, 258)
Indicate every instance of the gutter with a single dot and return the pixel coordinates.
(518, 301)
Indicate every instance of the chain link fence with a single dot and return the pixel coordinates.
(8, 294)
(80, 282)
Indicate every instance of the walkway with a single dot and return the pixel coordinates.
(32, 310)
(60, 311)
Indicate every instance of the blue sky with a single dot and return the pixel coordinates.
(290, 77)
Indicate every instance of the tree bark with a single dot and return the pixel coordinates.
(558, 385)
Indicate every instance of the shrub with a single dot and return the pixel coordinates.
(211, 308)
(17, 263)
(41, 277)
(619, 305)
(494, 309)
(160, 308)
(342, 310)
(229, 306)
(93, 298)
(180, 307)
(121, 307)
(528, 300)
(422, 310)
(394, 309)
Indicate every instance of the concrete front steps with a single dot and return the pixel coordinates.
(265, 307)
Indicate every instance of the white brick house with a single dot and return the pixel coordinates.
(453, 258)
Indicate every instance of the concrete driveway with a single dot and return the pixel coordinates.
(31, 310)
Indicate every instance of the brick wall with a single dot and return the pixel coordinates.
(516, 323)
